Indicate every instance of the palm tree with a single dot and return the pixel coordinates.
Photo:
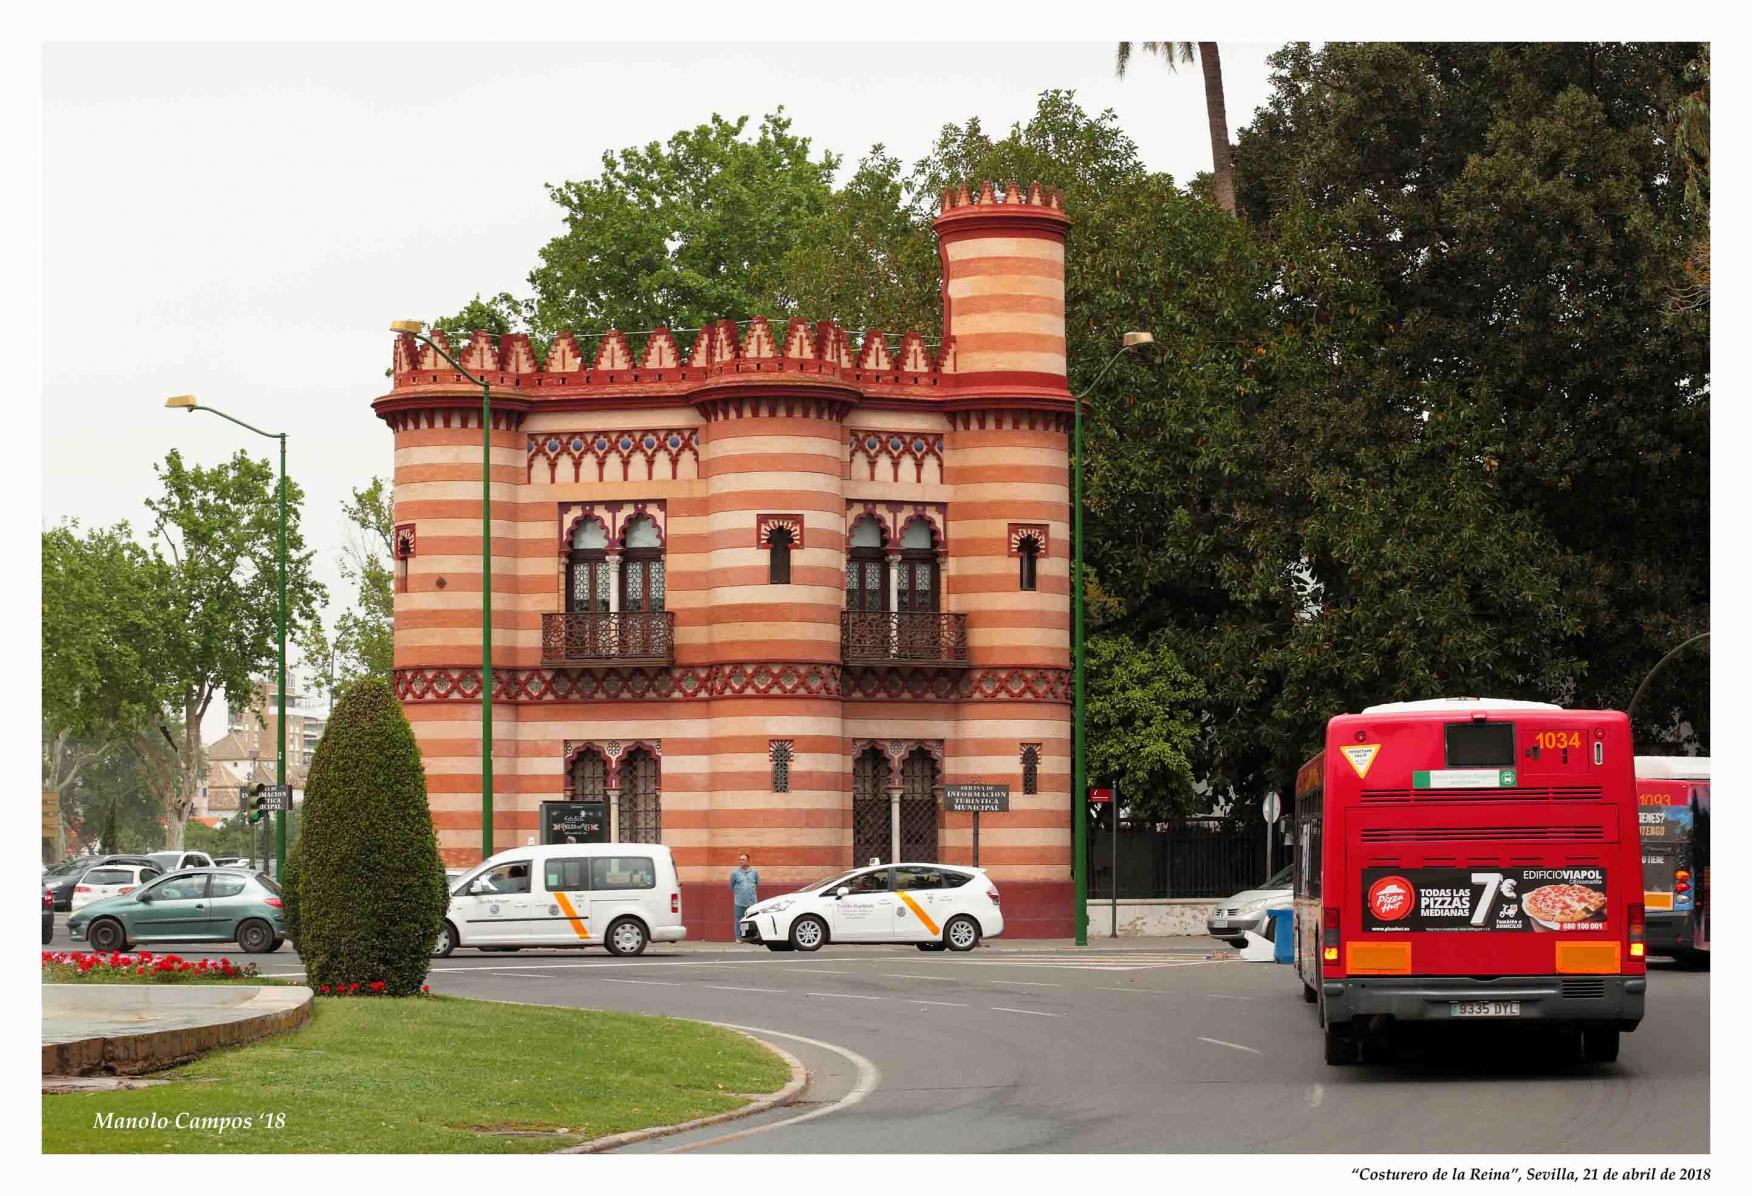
(1174, 53)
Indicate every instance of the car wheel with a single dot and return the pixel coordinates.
(106, 934)
(930, 946)
(626, 937)
(1340, 1048)
(255, 937)
(446, 941)
(962, 934)
(1600, 1044)
(778, 946)
(1698, 960)
(808, 933)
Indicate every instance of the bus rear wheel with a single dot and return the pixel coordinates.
(1600, 1044)
(1340, 1048)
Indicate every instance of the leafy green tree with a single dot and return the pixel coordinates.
(1143, 725)
(102, 629)
(219, 603)
(364, 641)
(369, 893)
(113, 802)
(1520, 211)
(683, 232)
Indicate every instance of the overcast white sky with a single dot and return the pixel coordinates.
(241, 222)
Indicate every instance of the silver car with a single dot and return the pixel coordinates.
(1250, 909)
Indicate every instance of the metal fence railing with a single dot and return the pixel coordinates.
(1180, 857)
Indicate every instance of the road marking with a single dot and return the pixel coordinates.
(869, 1076)
(735, 988)
(1033, 1012)
(1316, 1094)
(917, 1001)
(1233, 1045)
(919, 976)
(663, 983)
(848, 996)
(823, 971)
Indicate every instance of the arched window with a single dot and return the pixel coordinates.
(640, 812)
(587, 578)
(1028, 557)
(642, 567)
(781, 752)
(918, 569)
(866, 568)
(779, 556)
(1030, 768)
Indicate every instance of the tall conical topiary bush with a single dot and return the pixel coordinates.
(368, 889)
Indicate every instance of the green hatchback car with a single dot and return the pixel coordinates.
(196, 905)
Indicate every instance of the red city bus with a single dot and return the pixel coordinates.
(1469, 858)
(1672, 797)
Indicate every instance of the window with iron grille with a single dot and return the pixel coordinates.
(640, 810)
(780, 752)
(1031, 768)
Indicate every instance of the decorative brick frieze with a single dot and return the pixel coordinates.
(782, 678)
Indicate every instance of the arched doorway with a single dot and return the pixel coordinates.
(918, 806)
(870, 825)
(866, 568)
(639, 815)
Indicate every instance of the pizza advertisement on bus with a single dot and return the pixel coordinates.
(1484, 898)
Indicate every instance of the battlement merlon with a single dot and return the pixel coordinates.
(1003, 338)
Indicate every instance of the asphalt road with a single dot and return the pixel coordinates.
(1148, 1047)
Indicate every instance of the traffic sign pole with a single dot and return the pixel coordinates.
(1113, 872)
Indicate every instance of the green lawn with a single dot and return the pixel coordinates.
(431, 1075)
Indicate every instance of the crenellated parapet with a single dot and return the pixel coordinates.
(1003, 338)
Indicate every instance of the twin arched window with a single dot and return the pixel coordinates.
(590, 579)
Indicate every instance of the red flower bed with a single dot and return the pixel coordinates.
(145, 963)
(374, 988)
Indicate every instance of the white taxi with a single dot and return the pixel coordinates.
(621, 896)
(110, 880)
(932, 905)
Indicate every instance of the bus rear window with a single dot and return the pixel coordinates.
(1481, 745)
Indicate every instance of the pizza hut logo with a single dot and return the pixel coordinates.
(1390, 898)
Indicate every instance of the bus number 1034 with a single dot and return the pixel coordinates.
(1557, 740)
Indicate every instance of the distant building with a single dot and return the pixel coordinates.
(246, 753)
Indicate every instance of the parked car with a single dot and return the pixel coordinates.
(232, 861)
(1250, 909)
(202, 905)
(48, 917)
(173, 861)
(61, 884)
(932, 905)
(111, 880)
(621, 896)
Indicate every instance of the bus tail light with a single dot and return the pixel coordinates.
(1636, 932)
(675, 903)
(1329, 934)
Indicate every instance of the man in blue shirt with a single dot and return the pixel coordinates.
(743, 880)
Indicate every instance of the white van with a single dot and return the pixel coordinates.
(621, 896)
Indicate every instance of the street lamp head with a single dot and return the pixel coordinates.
(405, 326)
(182, 402)
(1131, 339)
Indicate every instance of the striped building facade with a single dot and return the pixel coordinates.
(767, 590)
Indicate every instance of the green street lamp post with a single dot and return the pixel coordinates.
(415, 329)
(1079, 702)
(188, 403)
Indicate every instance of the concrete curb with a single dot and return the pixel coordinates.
(789, 1094)
(278, 1008)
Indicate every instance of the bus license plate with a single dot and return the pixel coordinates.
(1484, 1008)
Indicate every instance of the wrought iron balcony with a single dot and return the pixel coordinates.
(891, 637)
(624, 637)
